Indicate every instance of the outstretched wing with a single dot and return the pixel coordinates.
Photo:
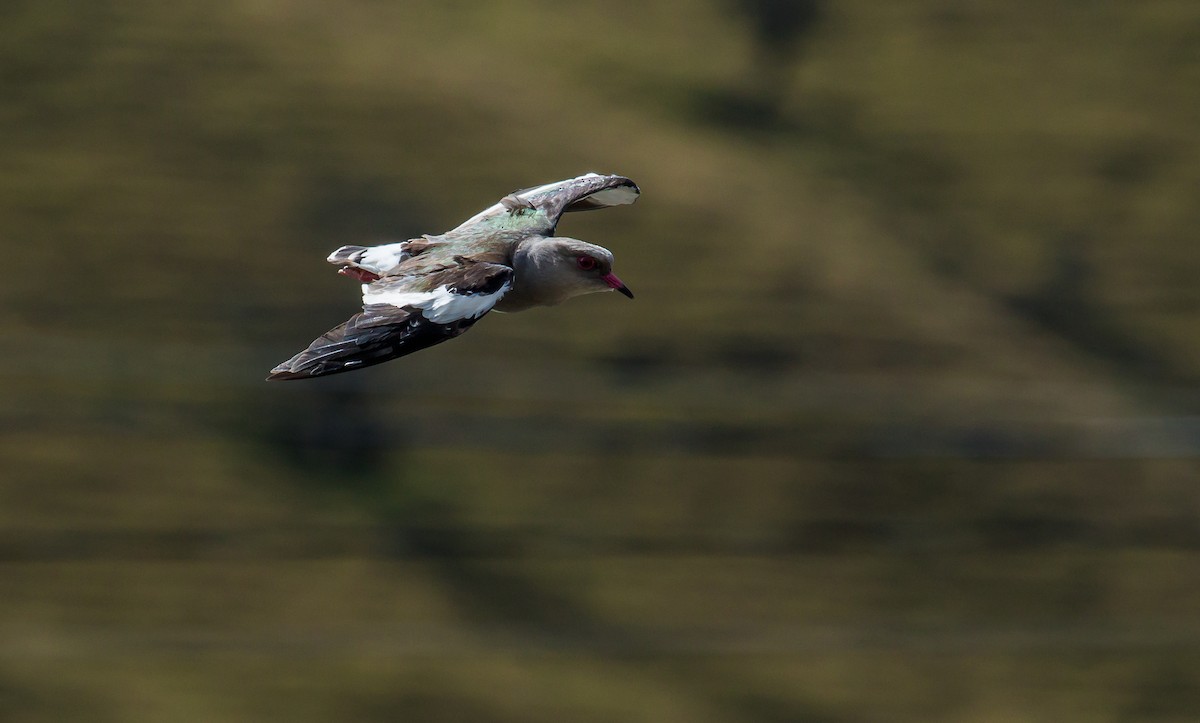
(403, 315)
(537, 210)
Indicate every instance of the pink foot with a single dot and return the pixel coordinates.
(362, 275)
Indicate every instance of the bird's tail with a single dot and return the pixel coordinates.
(375, 260)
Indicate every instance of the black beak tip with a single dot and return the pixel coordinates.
(625, 290)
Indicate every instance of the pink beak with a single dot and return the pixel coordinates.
(614, 282)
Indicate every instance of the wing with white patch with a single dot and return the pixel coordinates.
(401, 316)
(537, 210)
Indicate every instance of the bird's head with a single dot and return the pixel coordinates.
(577, 267)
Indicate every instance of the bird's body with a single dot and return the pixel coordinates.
(423, 291)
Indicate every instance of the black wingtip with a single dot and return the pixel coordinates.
(300, 368)
(283, 374)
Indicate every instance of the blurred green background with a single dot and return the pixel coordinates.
(904, 424)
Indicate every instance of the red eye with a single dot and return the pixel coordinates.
(587, 263)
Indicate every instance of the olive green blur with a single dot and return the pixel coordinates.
(903, 425)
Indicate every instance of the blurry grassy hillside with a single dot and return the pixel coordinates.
(902, 424)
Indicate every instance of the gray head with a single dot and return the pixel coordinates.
(550, 270)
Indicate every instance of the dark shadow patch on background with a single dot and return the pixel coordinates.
(1063, 305)
(333, 430)
(761, 356)
(1013, 531)
(780, 30)
(427, 705)
(329, 432)
(52, 701)
(639, 362)
(1168, 693)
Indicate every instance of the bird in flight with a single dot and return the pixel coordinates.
(424, 291)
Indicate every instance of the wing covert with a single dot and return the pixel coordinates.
(537, 210)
